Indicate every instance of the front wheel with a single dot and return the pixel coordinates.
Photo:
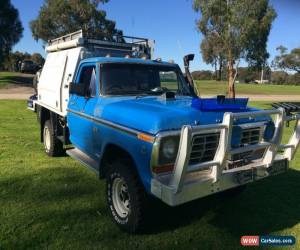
(126, 197)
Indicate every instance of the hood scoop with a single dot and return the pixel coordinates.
(220, 103)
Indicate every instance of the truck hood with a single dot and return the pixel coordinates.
(155, 114)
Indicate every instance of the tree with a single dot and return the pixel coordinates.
(38, 59)
(294, 79)
(287, 61)
(202, 75)
(242, 28)
(279, 77)
(10, 28)
(250, 74)
(13, 60)
(213, 53)
(57, 18)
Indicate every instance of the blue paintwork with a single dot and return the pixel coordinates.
(213, 104)
(148, 114)
(82, 129)
(153, 114)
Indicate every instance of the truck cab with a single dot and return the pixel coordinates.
(138, 123)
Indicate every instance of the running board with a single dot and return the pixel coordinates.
(84, 159)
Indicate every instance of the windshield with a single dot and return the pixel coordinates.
(141, 79)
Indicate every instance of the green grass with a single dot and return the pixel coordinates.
(14, 78)
(214, 88)
(55, 203)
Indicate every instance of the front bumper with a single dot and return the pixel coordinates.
(190, 182)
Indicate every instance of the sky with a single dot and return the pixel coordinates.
(171, 23)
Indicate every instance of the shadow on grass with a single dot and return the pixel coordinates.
(264, 207)
(22, 80)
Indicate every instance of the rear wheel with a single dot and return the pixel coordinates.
(126, 197)
(53, 146)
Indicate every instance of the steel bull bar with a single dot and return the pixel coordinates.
(188, 182)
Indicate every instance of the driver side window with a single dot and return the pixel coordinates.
(88, 79)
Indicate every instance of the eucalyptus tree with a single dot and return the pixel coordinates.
(57, 18)
(288, 60)
(242, 28)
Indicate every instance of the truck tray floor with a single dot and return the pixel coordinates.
(83, 158)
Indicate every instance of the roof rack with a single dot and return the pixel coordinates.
(133, 46)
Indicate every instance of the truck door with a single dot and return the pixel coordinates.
(81, 109)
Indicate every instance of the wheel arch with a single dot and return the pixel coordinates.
(44, 114)
(110, 152)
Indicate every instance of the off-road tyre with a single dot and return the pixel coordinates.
(136, 219)
(53, 146)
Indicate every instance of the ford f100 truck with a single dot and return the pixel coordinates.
(138, 123)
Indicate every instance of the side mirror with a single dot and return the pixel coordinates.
(77, 89)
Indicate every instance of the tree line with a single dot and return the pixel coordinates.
(13, 60)
(249, 75)
(284, 69)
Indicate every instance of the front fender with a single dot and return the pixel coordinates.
(140, 151)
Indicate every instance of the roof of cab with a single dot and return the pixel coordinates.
(125, 60)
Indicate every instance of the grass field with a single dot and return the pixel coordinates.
(15, 78)
(214, 87)
(55, 203)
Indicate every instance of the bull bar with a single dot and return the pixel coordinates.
(187, 182)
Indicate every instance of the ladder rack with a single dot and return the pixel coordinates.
(69, 37)
(126, 45)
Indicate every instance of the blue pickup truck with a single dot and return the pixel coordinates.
(139, 124)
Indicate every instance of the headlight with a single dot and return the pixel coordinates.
(168, 150)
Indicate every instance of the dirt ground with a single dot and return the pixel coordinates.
(16, 93)
(272, 98)
(22, 93)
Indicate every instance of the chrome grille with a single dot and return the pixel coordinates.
(204, 147)
(250, 136)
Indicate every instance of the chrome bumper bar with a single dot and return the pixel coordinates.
(188, 182)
